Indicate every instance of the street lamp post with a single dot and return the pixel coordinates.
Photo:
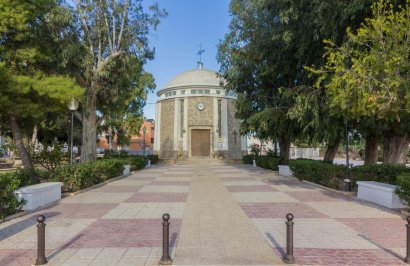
(72, 106)
(144, 130)
(348, 186)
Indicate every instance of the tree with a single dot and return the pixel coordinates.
(114, 33)
(264, 56)
(370, 75)
(33, 34)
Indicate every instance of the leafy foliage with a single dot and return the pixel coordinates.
(385, 173)
(9, 202)
(403, 188)
(326, 174)
(49, 156)
(370, 71)
(9, 182)
(83, 175)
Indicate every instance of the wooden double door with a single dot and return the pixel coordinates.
(200, 142)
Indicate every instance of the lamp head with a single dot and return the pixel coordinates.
(73, 105)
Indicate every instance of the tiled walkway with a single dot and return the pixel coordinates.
(220, 214)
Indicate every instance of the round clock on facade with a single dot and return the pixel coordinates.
(200, 106)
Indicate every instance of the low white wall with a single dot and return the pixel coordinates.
(126, 170)
(379, 193)
(284, 170)
(40, 195)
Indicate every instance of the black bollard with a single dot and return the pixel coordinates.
(41, 241)
(289, 258)
(166, 258)
(407, 258)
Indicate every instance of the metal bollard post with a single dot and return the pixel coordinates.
(166, 258)
(41, 241)
(289, 258)
(407, 258)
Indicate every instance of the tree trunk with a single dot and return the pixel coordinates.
(332, 149)
(371, 149)
(395, 149)
(284, 146)
(34, 136)
(89, 143)
(18, 139)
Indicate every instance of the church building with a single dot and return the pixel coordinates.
(195, 117)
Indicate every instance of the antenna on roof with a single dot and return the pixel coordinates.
(200, 52)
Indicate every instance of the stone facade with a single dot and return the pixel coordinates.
(167, 129)
(195, 102)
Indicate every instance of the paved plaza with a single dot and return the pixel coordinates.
(220, 215)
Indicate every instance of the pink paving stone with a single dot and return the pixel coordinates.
(315, 196)
(81, 210)
(290, 182)
(256, 188)
(113, 188)
(120, 233)
(170, 183)
(386, 232)
(19, 257)
(318, 256)
(241, 178)
(280, 209)
(141, 178)
(158, 197)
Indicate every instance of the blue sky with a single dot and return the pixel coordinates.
(177, 39)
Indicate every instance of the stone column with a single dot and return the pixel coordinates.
(185, 143)
(176, 127)
(157, 133)
(215, 124)
(224, 114)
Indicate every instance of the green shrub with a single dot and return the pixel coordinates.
(273, 163)
(83, 175)
(267, 162)
(403, 188)
(262, 161)
(9, 182)
(318, 172)
(385, 173)
(247, 159)
(154, 158)
(136, 162)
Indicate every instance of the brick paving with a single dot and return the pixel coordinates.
(220, 215)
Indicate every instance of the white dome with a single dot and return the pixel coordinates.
(195, 77)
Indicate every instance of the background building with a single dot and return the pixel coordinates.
(195, 117)
(140, 144)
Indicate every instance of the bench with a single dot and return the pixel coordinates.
(39, 195)
(379, 193)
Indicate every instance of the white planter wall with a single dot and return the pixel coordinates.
(379, 193)
(39, 195)
(126, 170)
(284, 170)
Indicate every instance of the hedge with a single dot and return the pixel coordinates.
(385, 173)
(248, 159)
(83, 175)
(403, 188)
(318, 172)
(264, 161)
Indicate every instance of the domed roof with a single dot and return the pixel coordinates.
(195, 77)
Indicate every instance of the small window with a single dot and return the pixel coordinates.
(200, 91)
(218, 92)
(193, 91)
(226, 93)
(174, 93)
(182, 91)
(207, 91)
